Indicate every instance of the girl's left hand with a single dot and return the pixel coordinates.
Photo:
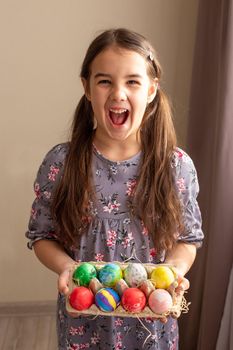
(183, 285)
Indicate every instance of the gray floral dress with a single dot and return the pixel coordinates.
(113, 235)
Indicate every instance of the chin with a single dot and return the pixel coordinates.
(119, 136)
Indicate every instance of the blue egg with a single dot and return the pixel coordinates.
(110, 274)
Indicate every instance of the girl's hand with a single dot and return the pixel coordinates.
(63, 287)
(183, 285)
(63, 281)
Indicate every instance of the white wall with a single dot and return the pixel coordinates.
(42, 47)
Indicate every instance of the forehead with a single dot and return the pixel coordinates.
(115, 60)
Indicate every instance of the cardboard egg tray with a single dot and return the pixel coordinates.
(179, 303)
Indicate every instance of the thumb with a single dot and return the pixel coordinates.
(63, 282)
(183, 285)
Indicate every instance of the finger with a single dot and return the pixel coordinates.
(154, 318)
(182, 287)
(184, 284)
(180, 292)
(175, 315)
(163, 320)
(171, 289)
(63, 282)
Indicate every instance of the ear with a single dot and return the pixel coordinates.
(152, 90)
(86, 88)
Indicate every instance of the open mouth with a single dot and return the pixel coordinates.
(118, 116)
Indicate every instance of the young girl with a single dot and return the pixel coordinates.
(119, 189)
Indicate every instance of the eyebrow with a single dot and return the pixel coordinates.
(98, 75)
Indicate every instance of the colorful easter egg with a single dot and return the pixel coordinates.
(162, 277)
(107, 299)
(160, 301)
(81, 298)
(134, 274)
(83, 274)
(110, 274)
(133, 300)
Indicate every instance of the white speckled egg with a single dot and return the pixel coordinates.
(135, 274)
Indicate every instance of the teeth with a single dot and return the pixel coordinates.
(118, 111)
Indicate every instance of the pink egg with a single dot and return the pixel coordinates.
(160, 301)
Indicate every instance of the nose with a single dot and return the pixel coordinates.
(118, 93)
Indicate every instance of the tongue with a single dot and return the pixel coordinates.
(118, 118)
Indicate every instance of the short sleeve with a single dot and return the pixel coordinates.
(41, 225)
(186, 182)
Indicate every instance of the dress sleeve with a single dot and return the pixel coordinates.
(41, 225)
(186, 182)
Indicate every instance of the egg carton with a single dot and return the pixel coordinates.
(179, 302)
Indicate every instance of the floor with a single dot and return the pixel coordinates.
(28, 326)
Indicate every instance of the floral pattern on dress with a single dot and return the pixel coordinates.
(110, 204)
(113, 234)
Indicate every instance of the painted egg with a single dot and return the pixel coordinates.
(83, 274)
(162, 277)
(160, 301)
(134, 274)
(110, 274)
(81, 298)
(107, 299)
(133, 300)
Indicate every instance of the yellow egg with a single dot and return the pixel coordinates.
(162, 277)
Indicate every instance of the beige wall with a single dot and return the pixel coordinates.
(42, 46)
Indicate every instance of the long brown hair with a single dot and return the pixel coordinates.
(155, 199)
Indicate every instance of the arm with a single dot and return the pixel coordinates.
(41, 232)
(189, 239)
(53, 256)
(182, 257)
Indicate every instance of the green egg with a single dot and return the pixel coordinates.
(83, 274)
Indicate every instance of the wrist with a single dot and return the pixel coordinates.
(178, 269)
(66, 266)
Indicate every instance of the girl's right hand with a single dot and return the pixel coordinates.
(63, 287)
(63, 281)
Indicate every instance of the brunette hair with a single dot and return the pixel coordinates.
(155, 199)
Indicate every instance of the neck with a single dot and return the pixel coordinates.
(117, 150)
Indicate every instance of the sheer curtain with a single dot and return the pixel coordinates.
(210, 144)
(225, 337)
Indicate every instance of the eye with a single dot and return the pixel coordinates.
(133, 82)
(104, 82)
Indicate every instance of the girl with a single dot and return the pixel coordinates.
(119, 188)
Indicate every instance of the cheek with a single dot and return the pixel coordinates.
(139, 112)
(141, 98)
(140, 105)
(96, 100)
(100, 97)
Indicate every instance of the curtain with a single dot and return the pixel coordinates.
(210, 144)
(225, 337)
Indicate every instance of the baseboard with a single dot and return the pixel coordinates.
(28, 308)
